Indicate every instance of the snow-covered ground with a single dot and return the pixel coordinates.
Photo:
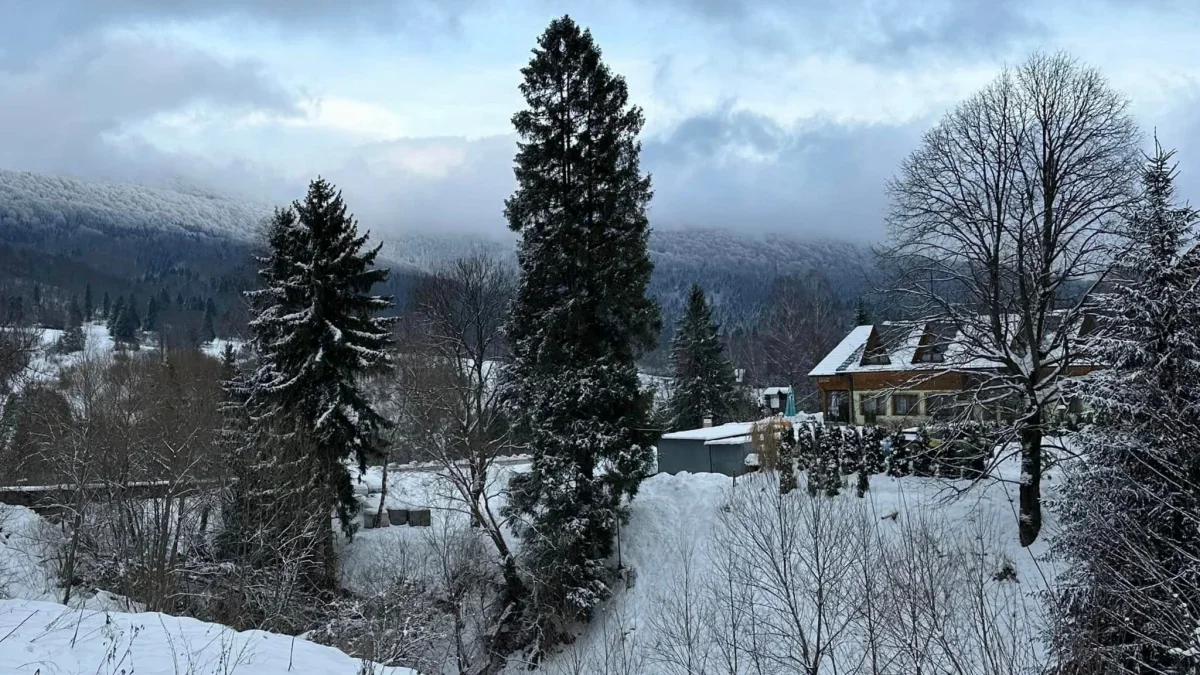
(676, 525)
(678, 521)
(96, 634)
(25, 555)
(46, 638)
(216, 347)
(98, 343)
(47, 363)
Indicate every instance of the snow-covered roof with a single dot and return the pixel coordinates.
(732, 440)
(711, 433)
(839, 356)
(900, 346)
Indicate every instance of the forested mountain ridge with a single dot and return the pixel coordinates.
(65, 232)
(36, 202)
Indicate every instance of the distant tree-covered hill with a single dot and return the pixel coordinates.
(61, 233)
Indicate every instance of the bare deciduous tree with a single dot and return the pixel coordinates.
(1000, 222)
(448, 400)
(799, 327)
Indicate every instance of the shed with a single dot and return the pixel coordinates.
(720, 449)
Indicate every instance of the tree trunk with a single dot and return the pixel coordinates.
(478, 479)
(1030, 521)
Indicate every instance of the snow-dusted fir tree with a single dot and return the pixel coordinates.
(151, 320)
(861, 316)
(208, 331)
(702, 378)
(113, 312)
(126, 322)
(580, 319)
(72, 339)
(1131, 502)
(315, 332)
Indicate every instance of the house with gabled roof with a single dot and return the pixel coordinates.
(910, 372)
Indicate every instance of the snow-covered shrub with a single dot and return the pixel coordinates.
(402, 625)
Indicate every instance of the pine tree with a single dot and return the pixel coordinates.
(315, 334)
(72, 336)
(151, 320)
(580, 319)
(861, 316)
(229, 362)
(118, 307)
(134, 319)
(703, 382)
(126, 323)
(88, 303)
(105, 306)
(209, 332)
(1131, 508)
(74, 313)
(786, 436)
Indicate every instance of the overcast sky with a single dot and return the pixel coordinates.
(782, 115)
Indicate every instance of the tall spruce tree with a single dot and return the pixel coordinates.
(208, 332)
(88, 302)
(126, 322)
(74, 312)
(580, 319)
(72, 336)
(861, 316)
(1131, 506)
(702, 378)
(315, 334)
(105, 306)
(150, 322)
(114, 313)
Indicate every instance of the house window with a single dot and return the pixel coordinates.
(876, 359)
(942, 406)
(904, 404)
(933, 354)
(870, 406)
(838, 407)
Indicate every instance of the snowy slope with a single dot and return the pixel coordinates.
(57, 201)
(25, 547)
(677, 524)
(49, 639)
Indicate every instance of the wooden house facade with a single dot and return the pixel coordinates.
(910, 373)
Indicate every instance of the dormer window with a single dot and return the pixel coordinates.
(874, 353)
(932, 354)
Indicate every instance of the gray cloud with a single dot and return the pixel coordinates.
(60, 108)
(741, 170)
(877, 31)
(726, 169)
(44, 25)
(469, 196)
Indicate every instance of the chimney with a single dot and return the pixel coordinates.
(707, 422)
